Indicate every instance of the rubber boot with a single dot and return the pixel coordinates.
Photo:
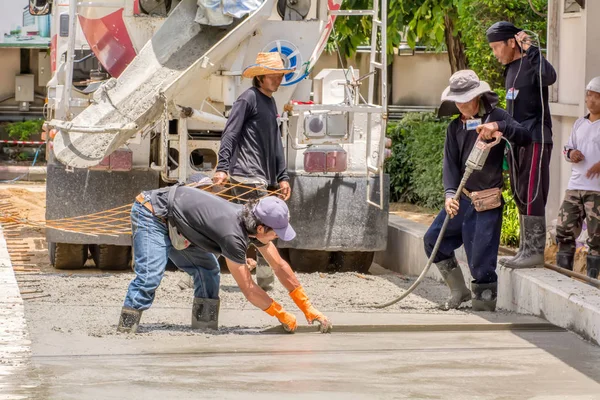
(565, 260)
(534, 243)
(453, 276)
(129, 320)
(484, 296)
(264, 274)
(509, 259)
(205, 313)
(593, 266)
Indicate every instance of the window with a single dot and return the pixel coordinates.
(574, 6)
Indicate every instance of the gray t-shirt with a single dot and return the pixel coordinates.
(206, 220)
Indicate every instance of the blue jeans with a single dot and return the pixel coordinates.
(479, 232)
(152, 249)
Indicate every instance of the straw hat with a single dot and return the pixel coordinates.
(266, 64)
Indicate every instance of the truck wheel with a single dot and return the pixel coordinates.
(111, 257)
(353, 261)
(310, 260)
(67, 255)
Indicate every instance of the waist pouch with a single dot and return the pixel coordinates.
(487, 199)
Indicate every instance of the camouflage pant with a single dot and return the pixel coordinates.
(577, 205)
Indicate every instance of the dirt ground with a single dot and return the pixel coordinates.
(340, 292)
(46, 289)
(414, 213)
(26, 243)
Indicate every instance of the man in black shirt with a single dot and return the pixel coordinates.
(527, 77)
(478, 230)
(251, 152)
(251, 148)
(192, 227)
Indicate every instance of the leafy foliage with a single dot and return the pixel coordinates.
(509, 236)
(476, 16)
(351, 32)
(415, 167)
(24, 130)
(425, 22)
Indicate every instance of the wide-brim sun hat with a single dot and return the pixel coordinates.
(266, 64)
(464, 86)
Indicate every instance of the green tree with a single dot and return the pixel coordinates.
(457, 26)
(351, 32)
(476, 16)
(430, 23)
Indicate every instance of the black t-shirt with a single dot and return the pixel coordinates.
(523, 100)
(206, 220)
(251, 142)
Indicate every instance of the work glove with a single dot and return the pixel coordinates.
(311, 313)
(288, 321)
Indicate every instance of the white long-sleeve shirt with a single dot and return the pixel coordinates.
(585, 137)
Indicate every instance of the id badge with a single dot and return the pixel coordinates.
(512, 94)
(472, 124)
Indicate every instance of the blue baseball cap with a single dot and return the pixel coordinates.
(274, 213)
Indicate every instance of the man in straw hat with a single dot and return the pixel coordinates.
(475, 226)
(208, 226)
(251, 147)
(251, 152)
(527, 76)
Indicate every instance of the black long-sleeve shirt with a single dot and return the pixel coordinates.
(460, 142)
(522, 78)
(251, 143)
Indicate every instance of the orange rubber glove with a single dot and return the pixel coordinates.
(311, 313)
(288, 321)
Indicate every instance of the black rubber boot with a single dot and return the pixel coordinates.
(205, 313)
(453, 276)
(565, 260)
(593, 266)
(484, 296)
(534, 243)
(129, 320)
(510, 259)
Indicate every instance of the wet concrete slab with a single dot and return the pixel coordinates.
(240, 362)
(409, 365)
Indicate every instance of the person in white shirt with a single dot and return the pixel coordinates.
(582, 198)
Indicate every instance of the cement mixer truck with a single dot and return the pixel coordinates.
(123, 71)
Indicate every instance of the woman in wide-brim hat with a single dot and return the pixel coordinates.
(474, 225)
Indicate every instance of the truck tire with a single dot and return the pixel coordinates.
(67, 255)
(310, 260)
(353, 261)
(111, 257)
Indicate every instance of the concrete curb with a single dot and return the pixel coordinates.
(560, 300)
(10, 172)
(15, 346)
